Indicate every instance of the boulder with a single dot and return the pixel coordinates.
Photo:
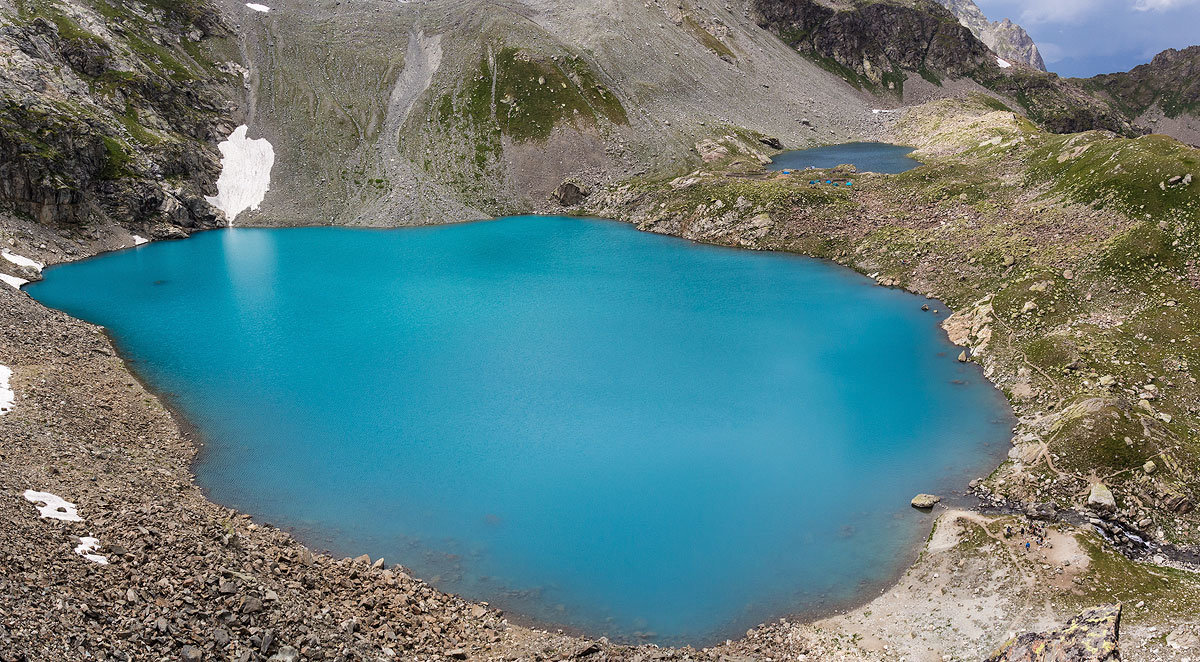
(1042, 511)
(1149, 467)
(569, 194)
(285, 654)
(190, 654)
(1101, 498)
(772, 142)
(1092, 636)
(925, 501)
(1176, 502)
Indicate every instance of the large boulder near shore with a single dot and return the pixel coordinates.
(772, 142)
(925, 501)
(1089, 637)
(569, 193)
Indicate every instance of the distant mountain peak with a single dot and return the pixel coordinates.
(1007, 39)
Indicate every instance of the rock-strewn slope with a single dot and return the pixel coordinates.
(387, 113)
(1009, 40)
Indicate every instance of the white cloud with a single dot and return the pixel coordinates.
(1160, 5)
(1061, 11)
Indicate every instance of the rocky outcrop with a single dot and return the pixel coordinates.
(110, 117)
(1089, 637)
(570, 193)
(1009, 40)
(1162, 96)
(876, 41)
(1171, 80)
(1059, 105)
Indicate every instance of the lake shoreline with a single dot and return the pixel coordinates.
(474, 625)
(904, 556)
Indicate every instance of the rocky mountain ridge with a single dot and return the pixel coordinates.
(875, 43)
(1009, 40)
(450, 121)
(1162, 95)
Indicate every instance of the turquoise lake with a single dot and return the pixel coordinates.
(588, 426)
(868, 157)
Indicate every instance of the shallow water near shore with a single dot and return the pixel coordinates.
(866, 157)
(622, 433)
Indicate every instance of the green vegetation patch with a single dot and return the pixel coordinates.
(1111, 577)
(116, 163)
(1100, 434)
(533, 93)
(1099, 169)
(708, 39)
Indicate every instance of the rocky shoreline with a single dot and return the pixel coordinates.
(189, 579)
(1006, 223)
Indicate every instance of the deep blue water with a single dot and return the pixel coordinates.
(586, 425)
(868, 157)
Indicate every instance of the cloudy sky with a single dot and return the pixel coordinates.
(1088, 37)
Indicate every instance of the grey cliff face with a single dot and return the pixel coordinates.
(110, 118)
(877, 41)
(1007, 39)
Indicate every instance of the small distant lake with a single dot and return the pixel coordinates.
(588, 426)
(867, 157)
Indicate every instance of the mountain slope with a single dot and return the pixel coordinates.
(1163, 95)
(1007, 39)
(395, 113)
(386, 113)
(109, 114)
(876, 42)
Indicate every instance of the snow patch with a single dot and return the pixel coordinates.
(1004, 64)
(245, 173)
(22, 261)
(256, 7)
(55, 507)
(8, 398)
(139, 240)
(13, 280)
(87, 547)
